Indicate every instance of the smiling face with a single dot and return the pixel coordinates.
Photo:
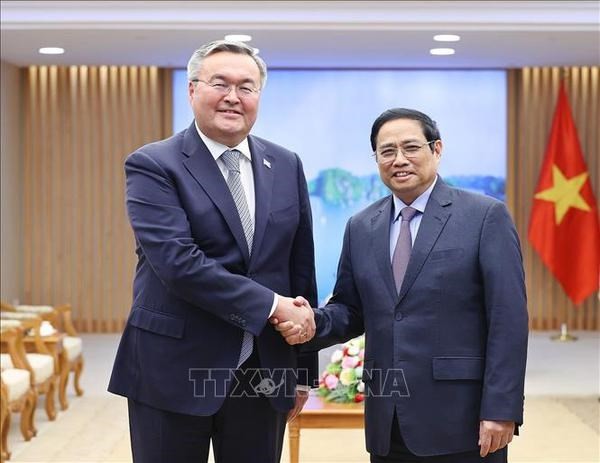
(407, 178)
(228, 118)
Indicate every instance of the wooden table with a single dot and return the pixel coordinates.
(320, 414)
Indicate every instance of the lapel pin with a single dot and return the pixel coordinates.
(267, 163)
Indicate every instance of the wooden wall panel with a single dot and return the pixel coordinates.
(80, 124)
(532, 94)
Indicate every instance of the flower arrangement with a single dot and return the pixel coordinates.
(341, 381)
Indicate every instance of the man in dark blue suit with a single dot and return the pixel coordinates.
(433, 276)
(223, 229)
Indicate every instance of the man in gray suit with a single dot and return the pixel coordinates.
(433, 275)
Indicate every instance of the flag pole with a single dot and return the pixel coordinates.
(564, 335)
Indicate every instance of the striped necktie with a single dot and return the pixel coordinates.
(231, 158)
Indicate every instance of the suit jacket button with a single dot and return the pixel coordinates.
(398, 316)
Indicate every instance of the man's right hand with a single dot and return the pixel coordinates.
(294, 319)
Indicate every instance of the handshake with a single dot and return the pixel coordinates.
(294, 319)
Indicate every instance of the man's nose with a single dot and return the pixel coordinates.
(400, 159)
(232, 96)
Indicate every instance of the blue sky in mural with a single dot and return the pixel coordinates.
(326, 116)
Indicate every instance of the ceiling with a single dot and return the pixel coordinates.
(311, 34)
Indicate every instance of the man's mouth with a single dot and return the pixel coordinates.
(229, 111)
(401, 174)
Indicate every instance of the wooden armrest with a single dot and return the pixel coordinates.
(6, 307)
(33, 325)
(67, 321)
(12, 339)
(3, 392)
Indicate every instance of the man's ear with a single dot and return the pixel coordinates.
(438, 146)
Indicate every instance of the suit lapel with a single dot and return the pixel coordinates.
(435, 217)
(204, 169)
(380, 242)
(262, 168)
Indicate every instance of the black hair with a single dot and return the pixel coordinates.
(429, 126)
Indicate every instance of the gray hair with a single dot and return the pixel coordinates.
(217, 46)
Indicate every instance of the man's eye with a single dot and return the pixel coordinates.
(388, 153)
(245, 89)
(411, 148)
(219, 86)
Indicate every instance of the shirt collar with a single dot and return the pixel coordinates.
(217, 149)
(418, 204)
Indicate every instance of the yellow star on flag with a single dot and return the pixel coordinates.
(564, 193)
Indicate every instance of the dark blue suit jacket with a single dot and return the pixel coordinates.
(196, 288)
(450, 349)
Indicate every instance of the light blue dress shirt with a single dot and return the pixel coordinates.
(418, 204)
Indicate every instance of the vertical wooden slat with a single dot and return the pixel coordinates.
(54, 185)
(29, 147)
(115, 189)
(166, 90)
(76, 194)
(65, 175)
(105, 213)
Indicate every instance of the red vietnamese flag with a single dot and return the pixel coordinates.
(564, 227)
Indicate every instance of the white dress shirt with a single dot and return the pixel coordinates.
(246, 175)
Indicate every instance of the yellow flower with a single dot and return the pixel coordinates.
(347, 376)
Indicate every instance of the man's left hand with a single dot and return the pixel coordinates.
(301, 398)
(494, 435)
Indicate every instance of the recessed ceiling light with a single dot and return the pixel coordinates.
(441, 51)
(446, 38)
(238, 37)
(51, 51)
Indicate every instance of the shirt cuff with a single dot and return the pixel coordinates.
(274, 306)
(303, 387)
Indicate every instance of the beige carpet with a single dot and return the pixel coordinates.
(94, 429)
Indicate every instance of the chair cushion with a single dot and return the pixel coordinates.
(41, 364)
(17, 382)
(18, 315)
(34, 308)
(73, 346)
(5, 361)
(8, 324)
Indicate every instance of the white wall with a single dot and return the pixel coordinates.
(11, 175)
